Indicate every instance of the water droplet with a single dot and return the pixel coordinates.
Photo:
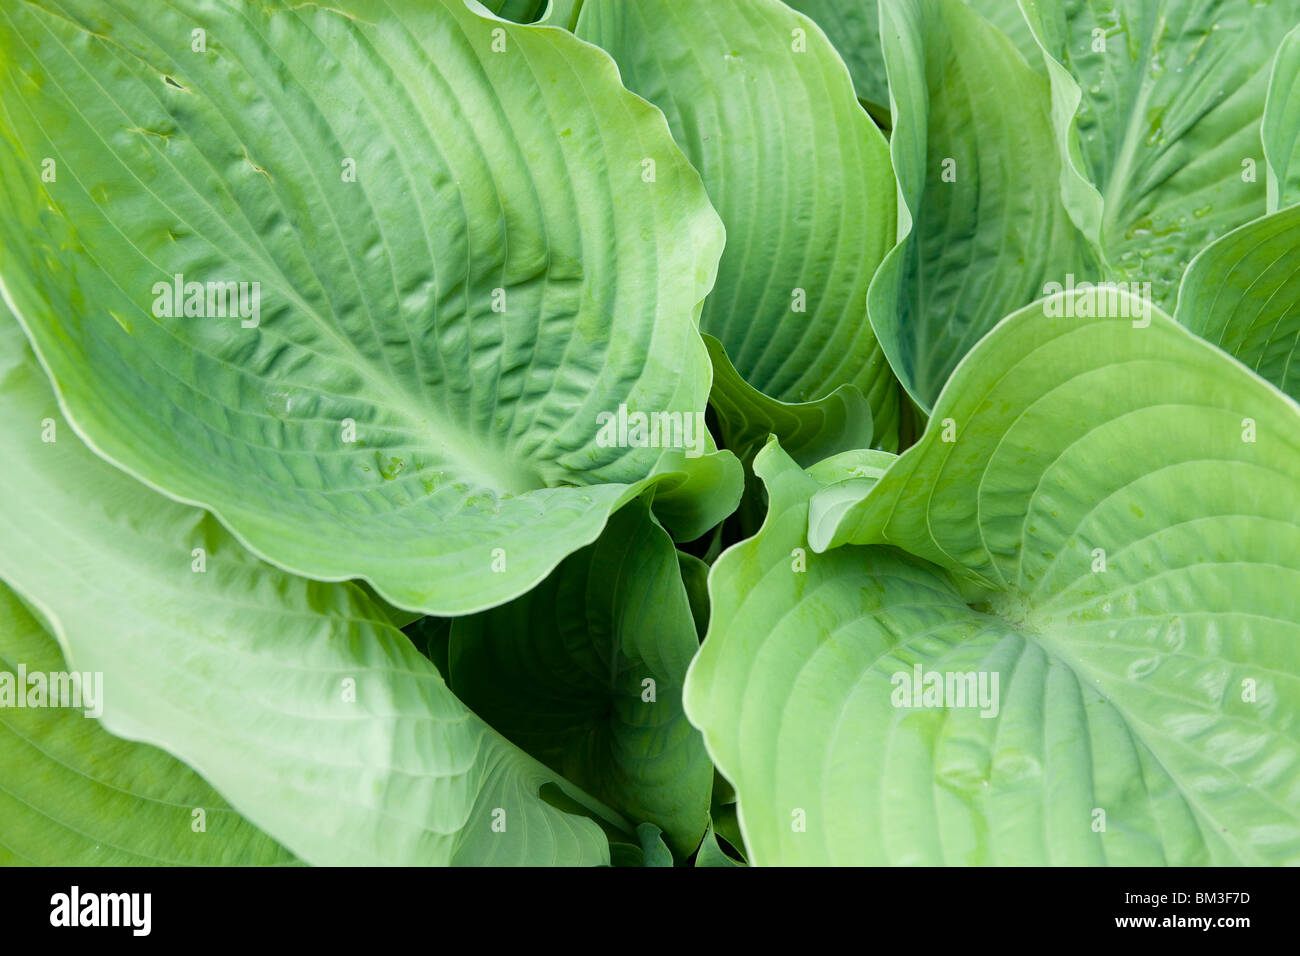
(280, 402)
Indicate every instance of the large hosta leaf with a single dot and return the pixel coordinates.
(297, 700)
(1158, 107)
(72, 794)
(585, 673)
(1280, 128)
(981, 229)
(749, 89)
(460, 269)
(1243, 294)
(1114, 528)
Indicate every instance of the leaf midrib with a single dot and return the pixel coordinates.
(1124, 160)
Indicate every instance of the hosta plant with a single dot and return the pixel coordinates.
(650, 432)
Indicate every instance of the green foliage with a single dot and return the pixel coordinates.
(650, 432)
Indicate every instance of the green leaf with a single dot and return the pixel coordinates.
(651, 851)
(1280, 128)
(981, 230)
(723, 821)
(726, 822)
(1243, 294)
(72, 794)
(847, 479)
(748, 89)
(858, 465)
(1009, 20)
(566, 670)
(653, 848)
(695, 578)
(693, 495)
(440, 326)
(854, 27)
(813, 430)
(1105, 543)
(297, 700)
(398, 617)
(1158, 106)
(432, 638)
(562, 13)
(711, 853)
(520, 11)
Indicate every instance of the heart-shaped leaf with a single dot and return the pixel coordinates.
(1060, 629)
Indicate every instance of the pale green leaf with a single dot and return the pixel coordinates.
(846, 478)
(1109, 541)
(71, 794)
(459, 264)
(297, 700)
